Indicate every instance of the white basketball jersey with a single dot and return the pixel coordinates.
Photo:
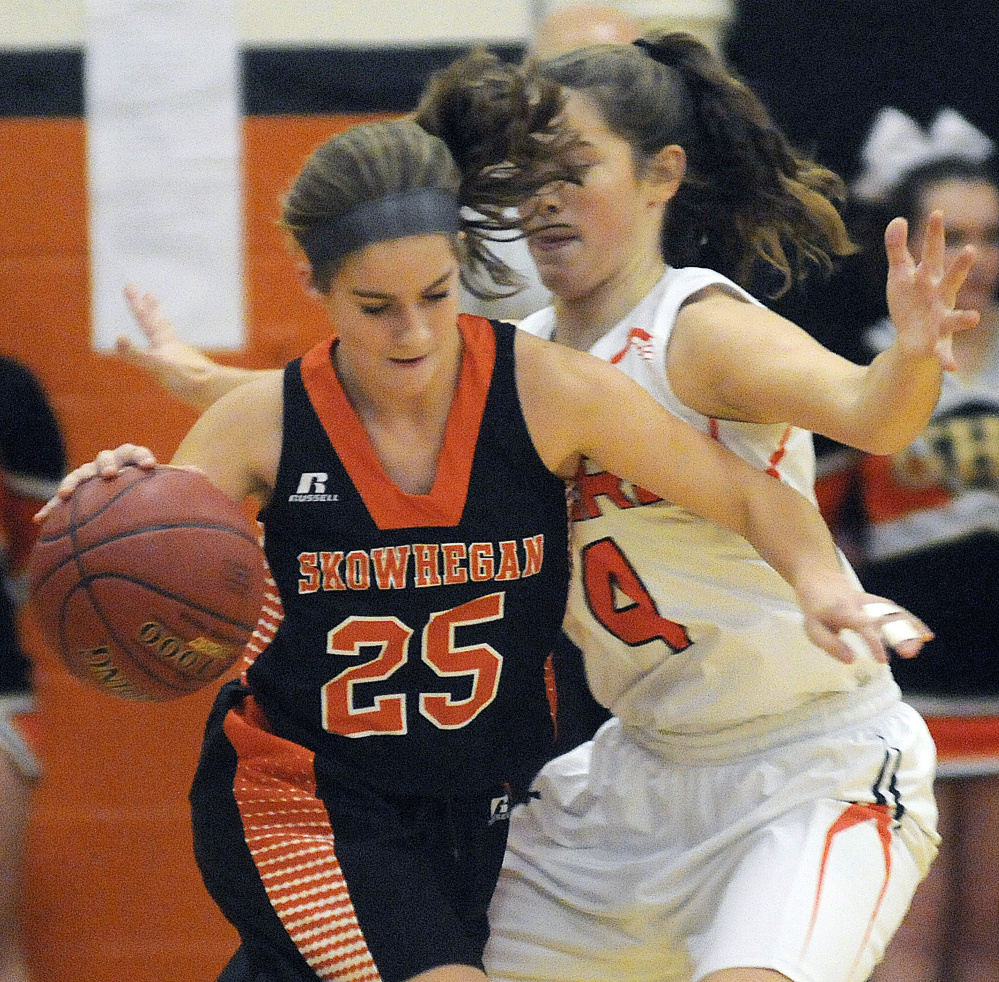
(687, 633)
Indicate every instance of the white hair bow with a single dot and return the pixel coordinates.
(897, 144)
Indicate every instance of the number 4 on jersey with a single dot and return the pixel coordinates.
(607, 575)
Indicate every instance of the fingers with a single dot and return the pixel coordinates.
(870, 627)
(897, 243)
(149, 359)
(934, 244)
(66, 488)
(107, 465)
(839, 644)
(953, 322)
(149, 316)
(865, 642)
(126, 349)
(889, 626)
(949, 276)
(944, 351)
(956, 273)
(44, 511)
(922, 298)
(900, 629)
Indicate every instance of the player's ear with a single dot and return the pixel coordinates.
(303, 270)
(666, 171)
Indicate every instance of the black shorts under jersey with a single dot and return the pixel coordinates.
(419, 871)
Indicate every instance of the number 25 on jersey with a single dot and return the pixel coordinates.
(344, 712)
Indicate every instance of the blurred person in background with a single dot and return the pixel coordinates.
(32, 462)
(928, 534)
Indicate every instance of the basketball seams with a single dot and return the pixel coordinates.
(89, 578)
(153, 595)
(114, 635)
(78, 550)
(70, 529)
(76, 504)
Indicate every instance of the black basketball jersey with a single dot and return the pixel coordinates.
(411, 655)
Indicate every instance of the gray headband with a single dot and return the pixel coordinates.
(420, 211)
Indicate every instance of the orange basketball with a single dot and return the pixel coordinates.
(148, 585)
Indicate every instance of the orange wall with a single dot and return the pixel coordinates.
(112, 891)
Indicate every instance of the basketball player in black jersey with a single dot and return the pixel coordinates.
(351, 800)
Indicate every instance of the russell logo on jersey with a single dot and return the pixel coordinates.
(312, 487)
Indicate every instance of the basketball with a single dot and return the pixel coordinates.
(147, 585)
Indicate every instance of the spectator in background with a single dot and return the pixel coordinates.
(580, 25)
(929, 537)
(32, 461)
(820, 68)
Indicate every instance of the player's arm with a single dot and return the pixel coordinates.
(734, 360)
(180, 367)
(577, 406)
(236, 444)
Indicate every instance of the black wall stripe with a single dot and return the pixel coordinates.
(326, 80)
(276, 81)
(41, 83)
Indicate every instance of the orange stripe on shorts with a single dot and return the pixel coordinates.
(856, 813)
(290, 838)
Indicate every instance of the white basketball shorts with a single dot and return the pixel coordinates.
(801, 858)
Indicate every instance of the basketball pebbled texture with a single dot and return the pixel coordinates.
(147, 585)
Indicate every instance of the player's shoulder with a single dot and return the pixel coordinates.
(265, 384)
(255, 403)
(561, 377)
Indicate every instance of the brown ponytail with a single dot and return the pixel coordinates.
(500, 123)
(747, 195)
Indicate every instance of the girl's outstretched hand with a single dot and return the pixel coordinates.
(106, 465)
(922, 296)
(179, 366)
(847, 623)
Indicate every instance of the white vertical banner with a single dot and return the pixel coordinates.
(162, 95)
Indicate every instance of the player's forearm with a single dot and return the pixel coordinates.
(789, 533)
(894, 401)
(206, 386)
(197, 380)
